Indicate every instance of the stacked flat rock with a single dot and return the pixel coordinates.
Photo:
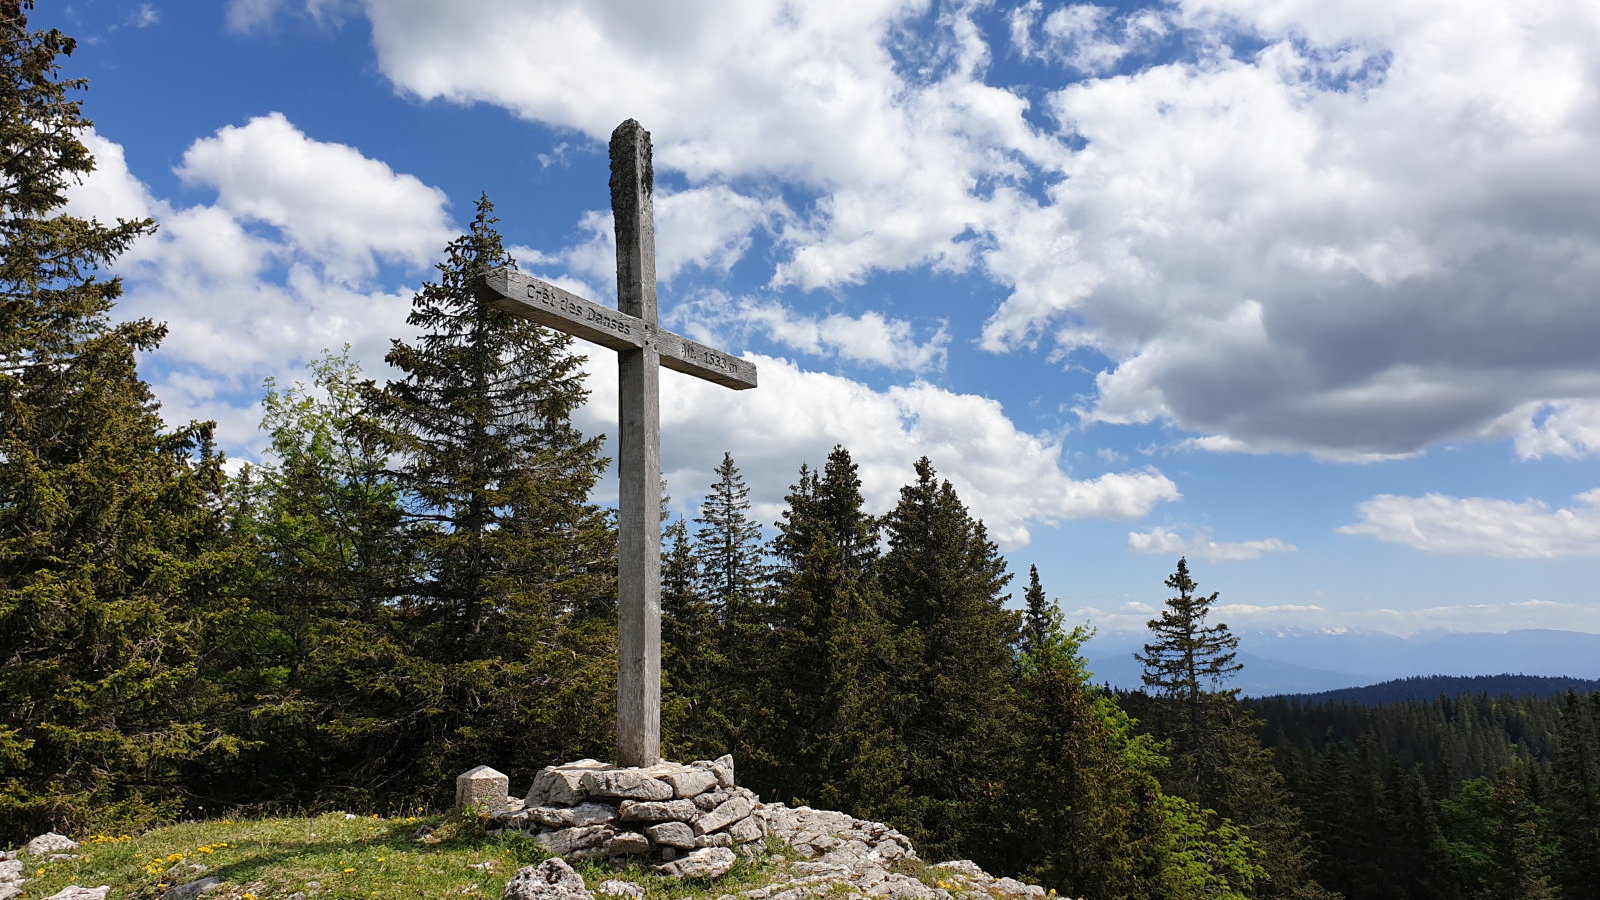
(672, 812)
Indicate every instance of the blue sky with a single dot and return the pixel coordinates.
(1305, 291)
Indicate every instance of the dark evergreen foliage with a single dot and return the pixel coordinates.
(112, 559)
(1217, 761)
(1088, 815)
(943, 579)
(728, 542)
(509, 636)
(1575, 798)
(730, 657)
(831, 738)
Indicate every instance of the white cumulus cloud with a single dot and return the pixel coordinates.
(273, 272)
(1160, 540)
(1482, 526)
(869, 339)
(1011, 479)
(1569, 429)
(337, 206)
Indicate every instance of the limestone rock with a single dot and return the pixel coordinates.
(568, 816)
(657, 811)
(572, 840)
(745, 830)
(903, 887)
(962, 867)
(732, 811)
(690, 782)
(73, 892)
(193, 889)
(10, 870)
(483, 789)
(672, 834)
(1014, 888)
(552, 879)
(10, 890)
(714, 840)
(711, 800)
(710, 862)
(507, 818)
(627, 843)
(561, 785)
(50, 842)
(722, 768)
(625, 784)
(612, 887)
(593, 814)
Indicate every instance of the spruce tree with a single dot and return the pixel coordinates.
(732, 582)
(1040, 619)
(1218, 762)
(112, 553)
(1575, 800)
(514, 607)
(830, 737)
(692, 726)
(729, 545)
(1188, 658)
(944, 581)
(1088, 817)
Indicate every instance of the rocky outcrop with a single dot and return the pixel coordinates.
(52, 847)
(49, 842)
(552, 879)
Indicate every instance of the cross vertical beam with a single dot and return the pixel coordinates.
(639, 452)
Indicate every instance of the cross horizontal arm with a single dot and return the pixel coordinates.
(522, 295)
(680, 354)
(511, 291)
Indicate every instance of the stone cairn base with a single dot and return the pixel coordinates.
(693, 821)
(689, 819)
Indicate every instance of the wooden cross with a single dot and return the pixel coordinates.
(641, 347)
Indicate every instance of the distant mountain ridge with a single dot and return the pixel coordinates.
(1288, 661)
(1428, 687)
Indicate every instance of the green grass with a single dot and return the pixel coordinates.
(346, 859)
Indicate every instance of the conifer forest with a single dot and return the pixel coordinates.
(417, 579)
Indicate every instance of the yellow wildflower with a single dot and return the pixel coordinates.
(350, 869)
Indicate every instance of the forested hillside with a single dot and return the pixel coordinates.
(1455, 796)
(416, 579)
(1427, 687)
